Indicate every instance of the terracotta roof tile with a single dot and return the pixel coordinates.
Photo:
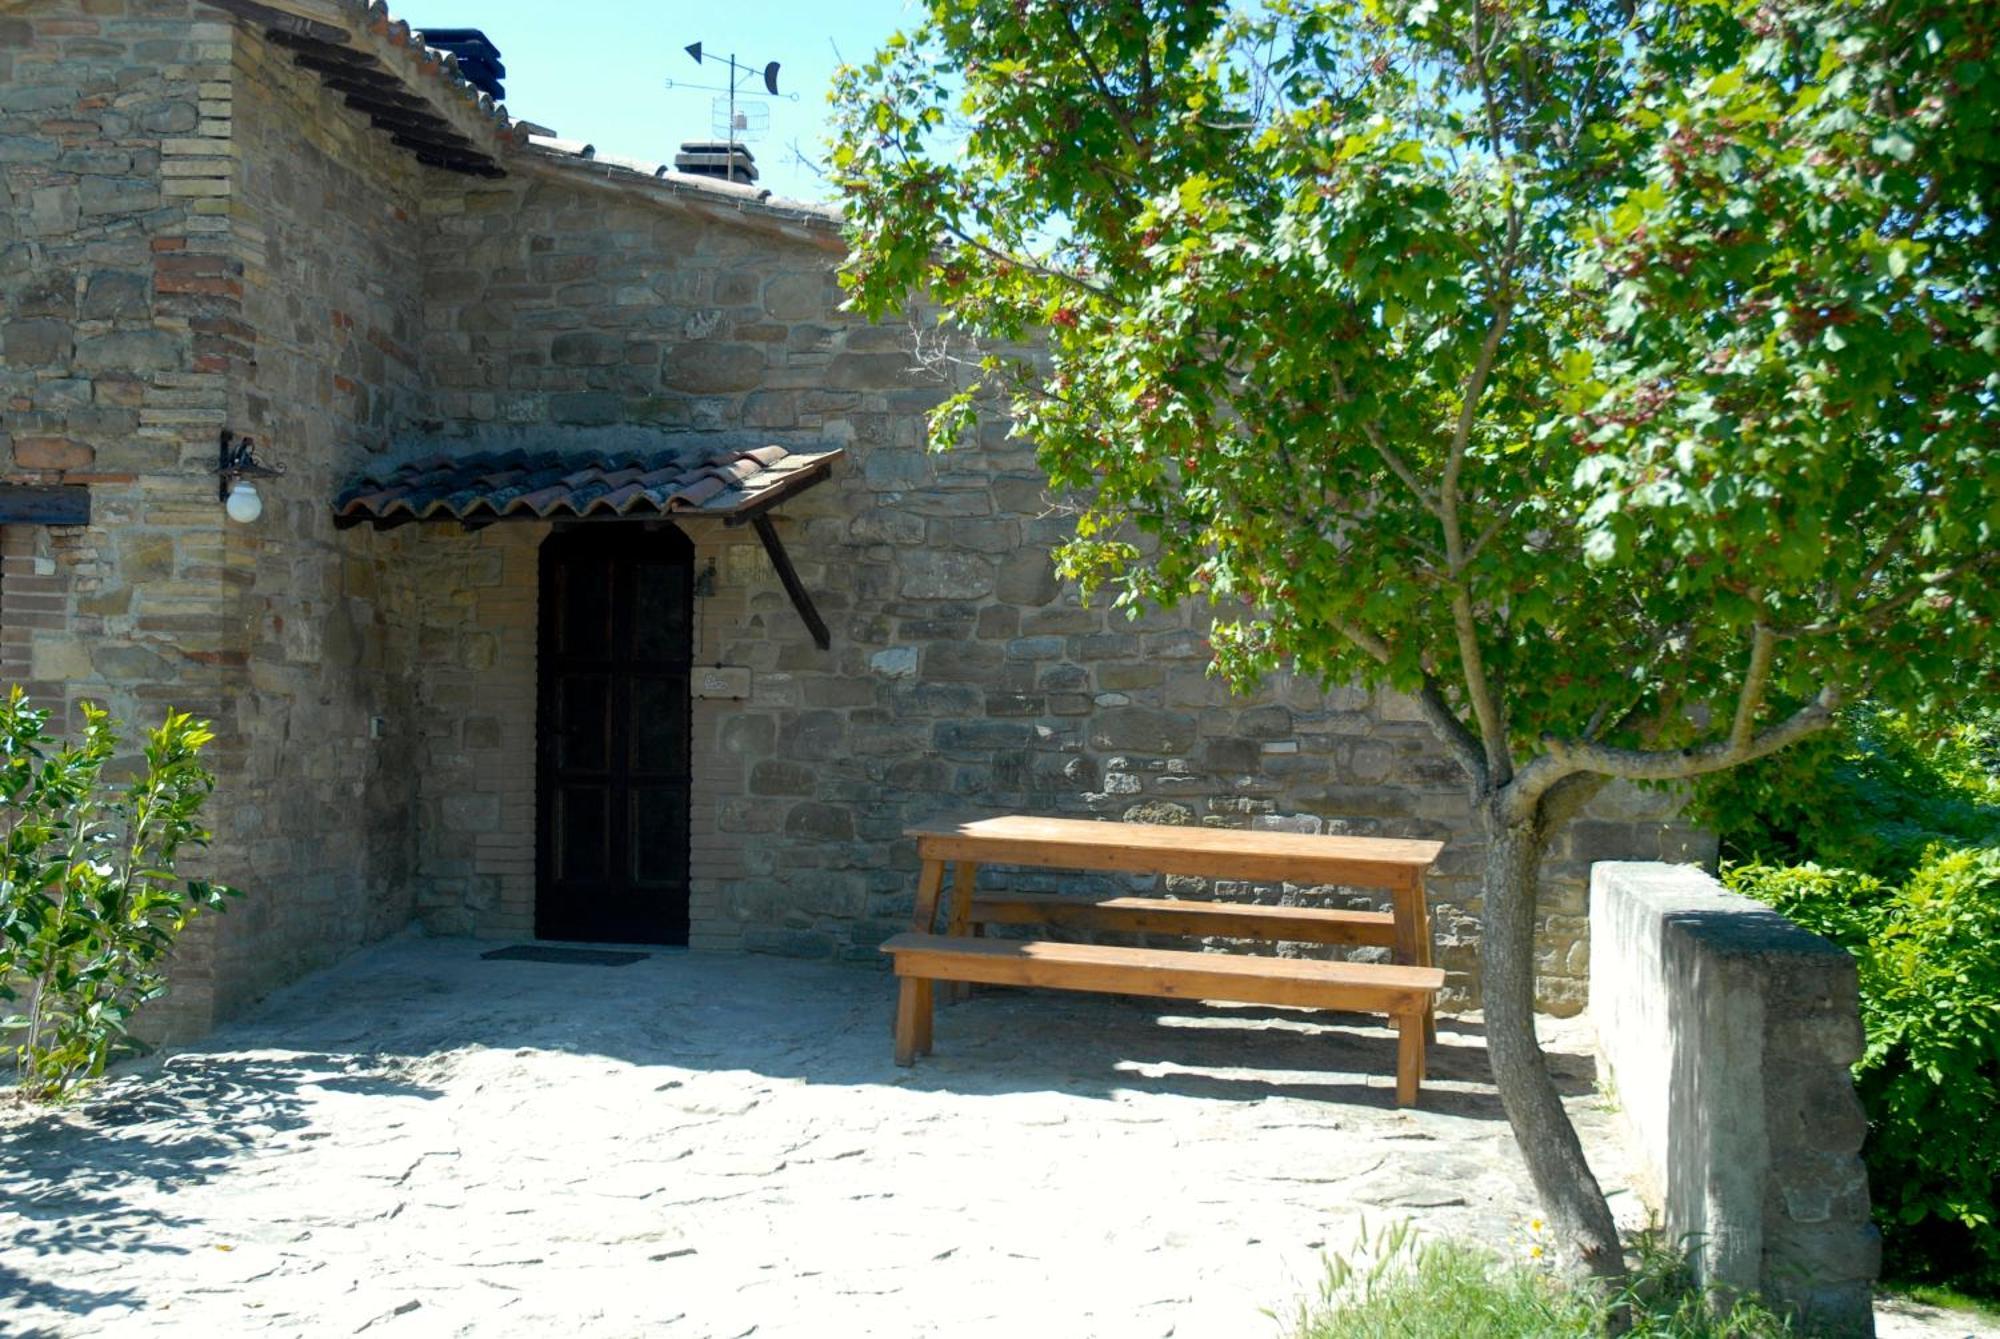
(559, 485)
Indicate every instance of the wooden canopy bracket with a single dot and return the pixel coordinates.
(782, 561)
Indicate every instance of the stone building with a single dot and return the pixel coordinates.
(523, 393)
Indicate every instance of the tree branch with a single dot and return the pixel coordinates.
(1444, 722)
(1763, 651)
(1567, 797)
(1565, 757)
(1390, 457)
(1111, 102)
(1478, 687)
(1446, 725)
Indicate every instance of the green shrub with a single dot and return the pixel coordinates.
(89, 902)
(1928, 950)
(1885, 837)
(1397, 1287)
(1874, 795)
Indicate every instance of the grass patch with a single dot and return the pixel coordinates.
(1944, 1299)
(1396, 1286)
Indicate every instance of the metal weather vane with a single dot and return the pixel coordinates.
(736, 123)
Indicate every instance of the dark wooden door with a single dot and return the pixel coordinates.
(612, 781)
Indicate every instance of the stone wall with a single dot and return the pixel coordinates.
(321, 371)
(110, 262)
(193, 236)
(471, 723)
(1728, 1033)
(962, 676)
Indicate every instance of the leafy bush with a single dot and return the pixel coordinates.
(89, 902)
(1396, 1287)
(1874, 795)
(1928, 948)
(1885, 838)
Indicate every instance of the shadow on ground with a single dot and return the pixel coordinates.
(785, 1018)
(141, 1167)
(67, 1174)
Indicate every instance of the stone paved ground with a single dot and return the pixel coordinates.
(422, 1143)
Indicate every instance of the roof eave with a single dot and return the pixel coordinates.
(364, 28)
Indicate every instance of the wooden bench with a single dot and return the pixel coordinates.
(1405, 993)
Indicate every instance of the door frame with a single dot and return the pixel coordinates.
(653, 540)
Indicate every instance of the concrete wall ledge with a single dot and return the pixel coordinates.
(1728, 1033)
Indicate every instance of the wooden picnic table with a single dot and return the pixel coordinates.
(1406, 988)
(1391, 864)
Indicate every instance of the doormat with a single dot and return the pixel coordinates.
(582, 957)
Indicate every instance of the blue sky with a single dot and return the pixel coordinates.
(595, 69)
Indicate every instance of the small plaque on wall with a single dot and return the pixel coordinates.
(722, 681)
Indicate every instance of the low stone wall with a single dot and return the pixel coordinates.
(1728, 1033)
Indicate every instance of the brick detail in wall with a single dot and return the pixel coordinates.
(474, 710)
(34, 611)
(718, 766)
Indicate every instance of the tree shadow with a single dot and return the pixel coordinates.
(98, 1181)
(1220, 1052)
(71, 1176)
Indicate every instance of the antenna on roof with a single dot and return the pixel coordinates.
(733, 123)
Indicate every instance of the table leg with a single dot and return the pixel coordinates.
(907, 1002)
(1427, 946)
(925, 1014)
(1409, 1057)
(1413, 939)
(930, 882)
(960, 923)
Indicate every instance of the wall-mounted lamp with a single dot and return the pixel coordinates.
(704, 580)
(239, 465)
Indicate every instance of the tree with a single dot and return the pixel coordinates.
(1619, 380)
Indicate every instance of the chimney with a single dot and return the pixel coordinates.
(717, 158)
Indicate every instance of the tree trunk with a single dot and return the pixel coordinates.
(1549, 1145)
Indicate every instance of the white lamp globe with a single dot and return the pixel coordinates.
(244, 506)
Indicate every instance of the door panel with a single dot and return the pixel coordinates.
(617, 622)
(582, 833)
(659, 828)
(583, 723)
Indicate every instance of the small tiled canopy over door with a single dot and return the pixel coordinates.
(613, 747)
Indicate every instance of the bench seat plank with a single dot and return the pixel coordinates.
(1403, 992)
(1155, 915)
(1151, 848)
(1171, 974)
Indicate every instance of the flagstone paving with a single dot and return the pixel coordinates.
(422, 1142)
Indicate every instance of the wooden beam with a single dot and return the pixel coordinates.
(324, 48)
(797, 481)
(279, 21)
(781, 560)
(471, 167)
(407, 135)
(353, 78)
(44, 504)
(376, 97)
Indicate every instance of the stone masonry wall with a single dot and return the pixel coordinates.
(111, 267)
(322, 372)
(962, 676)
(1729, 1033)
(194, 235)
(471, 723)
